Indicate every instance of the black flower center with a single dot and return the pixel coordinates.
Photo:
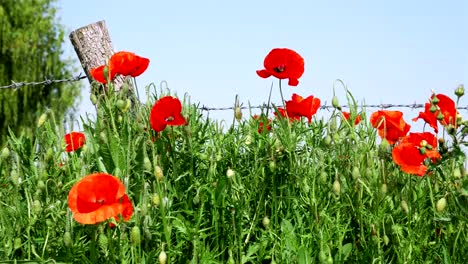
(280, 68)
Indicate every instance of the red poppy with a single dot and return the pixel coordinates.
(122, 62)
(98, 197)
(347, 116)
(413, 149)
(428, 117)
(298, 106)
(261, 125)
(390, 125)
(74, 141)
(283, 113)
(127, 64)
(98, 74)
(444, 107)
(283, 64)
(166, 111)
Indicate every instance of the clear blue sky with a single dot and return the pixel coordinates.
(386, 52)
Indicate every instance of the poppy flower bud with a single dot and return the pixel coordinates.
(327, 140)
(386, 240)
(323, 177)
(40, 185)
(451, 129)
(336, 188)
(93, 99)
(433, 108)
(356, 173)
(384, 188)
(373, 230)
(135, 236)
(435, 100)
(230, 173)
(67, 240)
(248, 140)
(17, 243)
(441, 204)
(120, 104)
(441, 141)
(335, 102)
(457, 173)
(147, 164)
(272, 165)
(103, 241)
(128, 103)
(5, 153)
(158, 172)
(103, 137)
(460, 91)
(266, 222)
(404, 206)
(162, 257)
(238, 113)
(37, 207)
(15, 177)
(41, 119)
(196, 199)
(156, 200)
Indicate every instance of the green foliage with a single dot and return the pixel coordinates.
(206, 193)
(31, 50)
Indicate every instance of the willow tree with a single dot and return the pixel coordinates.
(31, 39)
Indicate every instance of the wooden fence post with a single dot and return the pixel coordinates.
(93, 46)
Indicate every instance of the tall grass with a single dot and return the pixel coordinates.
(213, 192)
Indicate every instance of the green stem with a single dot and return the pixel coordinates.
(281, 93)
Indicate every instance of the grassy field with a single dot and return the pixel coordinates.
(161, 183)
(213, 192)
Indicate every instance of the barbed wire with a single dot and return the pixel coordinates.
(381, 106)
(17, 85)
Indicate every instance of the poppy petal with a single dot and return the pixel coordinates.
(293, 82)
(263, 73)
